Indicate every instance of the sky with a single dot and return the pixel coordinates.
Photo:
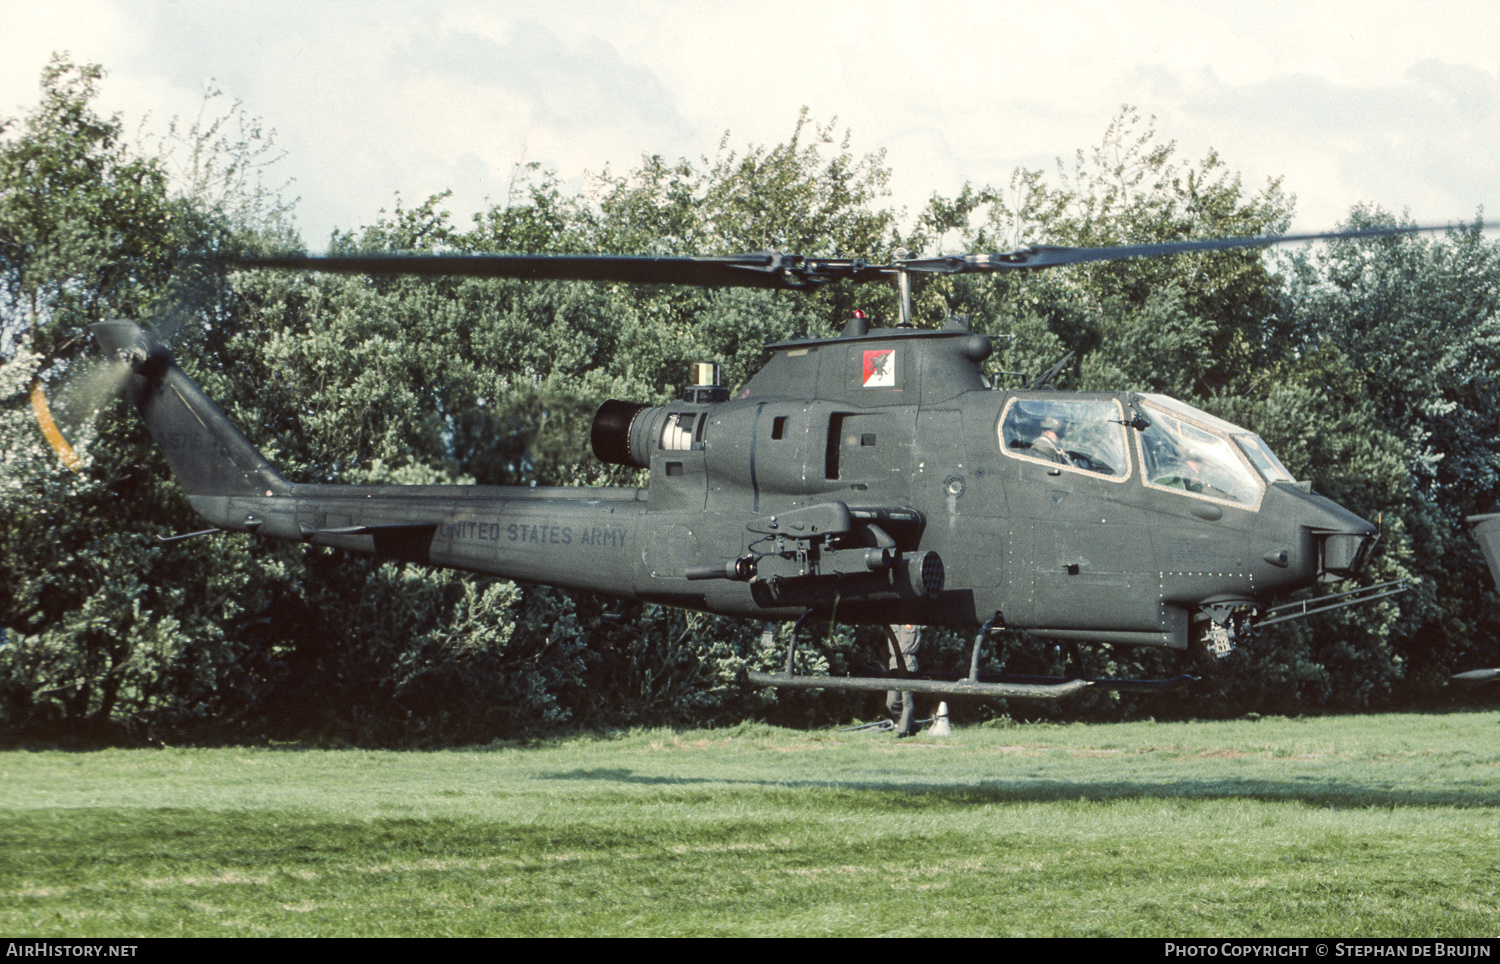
(1393, 104)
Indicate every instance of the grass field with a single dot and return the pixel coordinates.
(1347, 826)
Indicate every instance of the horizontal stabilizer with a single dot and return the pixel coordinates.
(308, 532)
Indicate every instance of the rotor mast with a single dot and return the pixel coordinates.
(903, 287)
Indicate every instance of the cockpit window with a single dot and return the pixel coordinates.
(1086, 435)
(1184, 454)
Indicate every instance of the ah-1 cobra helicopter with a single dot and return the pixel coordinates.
(873, 477)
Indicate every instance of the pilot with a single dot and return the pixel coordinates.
(904, 641)
(1185, 475)
(1049, 444)
(1184, 470)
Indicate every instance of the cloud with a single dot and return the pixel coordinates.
(376, 96)
(567, 88)
(1427, 139)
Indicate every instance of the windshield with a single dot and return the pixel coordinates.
(1264, 459)
(1185, 450)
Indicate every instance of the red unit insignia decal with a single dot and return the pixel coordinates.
(880, 368)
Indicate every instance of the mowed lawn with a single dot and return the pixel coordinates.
(1342, 826)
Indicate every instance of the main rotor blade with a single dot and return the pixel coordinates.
(1040, 256)
(765, 269)
(760, 270)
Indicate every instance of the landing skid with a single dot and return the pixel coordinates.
(993, 687)
(1008, 687)
(879, 726)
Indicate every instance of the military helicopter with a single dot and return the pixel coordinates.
(874, 477)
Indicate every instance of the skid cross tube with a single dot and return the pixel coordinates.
(984, 632)
(791, 646)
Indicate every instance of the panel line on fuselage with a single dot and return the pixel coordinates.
(755, 437)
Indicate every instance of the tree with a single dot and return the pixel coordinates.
(101, 624)
(1417, 325)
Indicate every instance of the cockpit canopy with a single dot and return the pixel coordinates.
(1179, 448)
(1084, 434)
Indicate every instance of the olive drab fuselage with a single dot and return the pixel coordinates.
(905, 419)
(874, 477)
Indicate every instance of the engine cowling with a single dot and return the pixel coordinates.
(621, 433)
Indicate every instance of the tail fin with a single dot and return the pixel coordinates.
(208, 455)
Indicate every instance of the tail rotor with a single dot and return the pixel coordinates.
(88, 387)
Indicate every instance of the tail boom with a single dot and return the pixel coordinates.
(576, 538)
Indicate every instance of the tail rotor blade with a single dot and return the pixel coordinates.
(49, 428)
